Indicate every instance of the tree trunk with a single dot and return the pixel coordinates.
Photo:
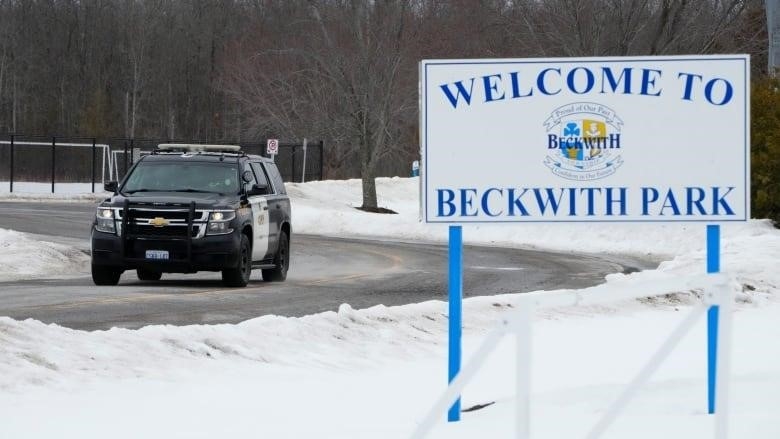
(137, 59)
(127, 114)
(62, 105)
(367, 166)
(369, 188)
(13, 107)
(171, 114)
(238, 124)
(133, 113)
(2, 77)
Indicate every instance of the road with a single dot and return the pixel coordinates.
(325, 272)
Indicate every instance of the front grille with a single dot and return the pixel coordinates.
(134, 214)
(167, 231)
(139, 226)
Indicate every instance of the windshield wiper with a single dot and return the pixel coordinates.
(198, 191)
(141, 190)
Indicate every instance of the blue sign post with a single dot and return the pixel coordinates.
(713, 266)
(455, 308)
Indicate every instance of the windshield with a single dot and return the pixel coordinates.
(183, 177)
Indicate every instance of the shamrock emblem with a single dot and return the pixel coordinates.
(571, 129)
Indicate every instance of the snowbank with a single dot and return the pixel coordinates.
(331, 339)
(23, 257)
(374, 373)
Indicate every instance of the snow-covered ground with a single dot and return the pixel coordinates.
(374, 373)
(24, 257)
(25, 190)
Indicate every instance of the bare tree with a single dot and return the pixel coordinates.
(364, 65)
(625, 27)
(347, 72)
(137, 39)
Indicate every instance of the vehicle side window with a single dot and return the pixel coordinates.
(261, 177)
(248, 186)
(273, 172)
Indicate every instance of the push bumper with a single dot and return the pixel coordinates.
(209, 253)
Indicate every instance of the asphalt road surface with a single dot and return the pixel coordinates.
(324, 273)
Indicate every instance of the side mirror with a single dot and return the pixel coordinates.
(110, 186)
(258, 189)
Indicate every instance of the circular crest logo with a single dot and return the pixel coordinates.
(583, 141)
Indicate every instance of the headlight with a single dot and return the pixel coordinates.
(219, 222)
(105, 220)
(102, 212)
(222, 216)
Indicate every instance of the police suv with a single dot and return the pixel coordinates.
(187, 208)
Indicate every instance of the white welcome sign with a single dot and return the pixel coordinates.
(589, 139)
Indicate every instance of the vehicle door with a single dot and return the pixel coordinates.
(260, 219)
(276, 215)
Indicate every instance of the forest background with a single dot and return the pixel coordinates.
(341, 71)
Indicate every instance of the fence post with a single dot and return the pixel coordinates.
(322, 160)
(12, 164)
(303, 171)
(94, 147)
(292, 165)
(131, 155)
(53, 162)
(124, 170)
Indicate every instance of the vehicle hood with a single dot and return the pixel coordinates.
(176, 199)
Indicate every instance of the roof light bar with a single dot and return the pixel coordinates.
(198, 147)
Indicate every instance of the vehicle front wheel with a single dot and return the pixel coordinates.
(105, 275)
(144, 274)
(281, 260)
(239, 276)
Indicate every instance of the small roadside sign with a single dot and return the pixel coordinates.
(272, 146)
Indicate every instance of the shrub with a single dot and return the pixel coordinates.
(765, 149)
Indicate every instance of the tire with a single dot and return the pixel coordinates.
(104, 275)
(144, 274)
(281, 260)
(239, 276)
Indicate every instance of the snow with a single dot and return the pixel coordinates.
(372, 373)
(32, 191)
(375, 372)
(24, 257)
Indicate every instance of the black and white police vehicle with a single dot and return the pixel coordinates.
(187, 208)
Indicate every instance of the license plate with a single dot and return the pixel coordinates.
(157, 254)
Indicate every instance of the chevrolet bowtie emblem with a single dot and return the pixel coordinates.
(158, 222)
